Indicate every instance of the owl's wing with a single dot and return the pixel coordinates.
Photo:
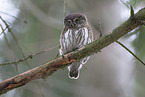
(90, 32)
(62, 44)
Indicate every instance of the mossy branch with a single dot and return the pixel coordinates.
(92, 48)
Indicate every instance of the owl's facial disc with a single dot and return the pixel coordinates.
(75, 21)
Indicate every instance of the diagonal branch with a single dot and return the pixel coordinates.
(131, 52)
(94, 47)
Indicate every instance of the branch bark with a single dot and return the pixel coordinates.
(49, 68)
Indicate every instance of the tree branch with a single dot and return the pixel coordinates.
(25, 58)
(16, 40)
(94, 47)
(130, 52)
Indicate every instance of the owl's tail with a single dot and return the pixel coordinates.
(74, 70)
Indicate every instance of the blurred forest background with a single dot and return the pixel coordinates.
(36, 25)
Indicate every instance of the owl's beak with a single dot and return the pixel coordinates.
(73, 25)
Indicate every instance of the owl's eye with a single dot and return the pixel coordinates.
(69, 21)
(76, 20)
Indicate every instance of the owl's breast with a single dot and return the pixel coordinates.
(74, 39)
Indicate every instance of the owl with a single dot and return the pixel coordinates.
(76, 33)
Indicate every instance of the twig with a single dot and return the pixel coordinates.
(3, 30)
(14, 37)
(64, 9)
(131, 12)
(13, 16)
(7, 42)
(130, 52)
(127, 4)
(100, 28)
(25, 58)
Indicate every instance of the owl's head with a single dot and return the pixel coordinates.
(75, 21)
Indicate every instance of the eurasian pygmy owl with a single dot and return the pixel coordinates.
(76, 33)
